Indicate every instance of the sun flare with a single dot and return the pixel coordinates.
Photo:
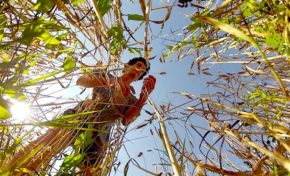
(20, 111)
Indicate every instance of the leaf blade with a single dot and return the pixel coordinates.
(4, 113)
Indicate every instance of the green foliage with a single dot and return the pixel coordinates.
(3, 22)
(104, 6)
(135, 50)
(40, 79)
(274, 25)
(12, 148)
(5, 172)
(83, 140)
(71, 116)
(32, 30)
(274, 40)
(37, 41)
(117, 42)
(15, 93)
(69, 63)
(197, 23)
(47, 38)
(4, 113)
(39, 29)
(135, 17)
(260, 97)
(42, 6)
(77, 2)
(227, 28)
(71, 161)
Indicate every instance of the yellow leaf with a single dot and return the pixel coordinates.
(4, 113)
(228, 28)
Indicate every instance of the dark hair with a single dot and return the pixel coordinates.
(135, 60)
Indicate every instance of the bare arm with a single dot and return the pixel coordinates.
(134, 111)
(91, 80)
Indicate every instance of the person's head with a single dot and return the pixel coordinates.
(137, 67)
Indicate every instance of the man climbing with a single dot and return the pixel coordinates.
(112, 100)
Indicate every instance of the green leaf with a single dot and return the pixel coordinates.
(31, 30)
(116, 32)
(69, 116)
(4, 113)
(104, 6)
(12, 148)
(1, 90)
(170, 47)
(274, 40)
(126, 168)
(62, 36)
(41, 78)
(194, 26)
(135, 50)
(1, 156)
(118, 42)
(135, 17)
(47, 38)
(227, 28)
(52, 25)
(43, 6)
(196, 23)
(83, 140)
(15, 93)
(26, 72)
(71, 161)
(6, 59)
(25, 170)
(39, 28)
(77, 2)
(29, 156)
(5, 172)
(69, 63)
(3, 22)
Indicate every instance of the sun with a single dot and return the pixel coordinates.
(20, 111)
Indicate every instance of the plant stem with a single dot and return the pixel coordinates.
(174, 164)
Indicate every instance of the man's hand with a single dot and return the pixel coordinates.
(134, 111)
(147, 88)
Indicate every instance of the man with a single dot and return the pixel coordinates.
(112, 100)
